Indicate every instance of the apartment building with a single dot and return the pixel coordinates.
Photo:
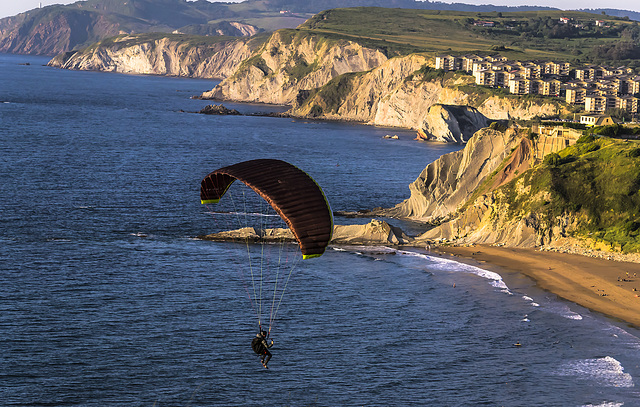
(596, 87)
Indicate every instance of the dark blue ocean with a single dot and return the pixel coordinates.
(108, 299)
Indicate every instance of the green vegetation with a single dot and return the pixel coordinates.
(257, 61)
(615, 130)
(516, 35)
(302, 68)
(334, 92)
(597, 180)
(428, 74)
(566, 125)
(126, 40)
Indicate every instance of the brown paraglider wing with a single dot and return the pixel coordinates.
(296, 197)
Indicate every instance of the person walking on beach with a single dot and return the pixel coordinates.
(261, 347)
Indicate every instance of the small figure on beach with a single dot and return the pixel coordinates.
(261, 347)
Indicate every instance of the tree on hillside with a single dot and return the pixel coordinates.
(616, 51)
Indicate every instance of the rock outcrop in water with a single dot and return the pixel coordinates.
(451, 123)
(219, 110)
(375, 232)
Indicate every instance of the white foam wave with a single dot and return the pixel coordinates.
(494, 278)
(606, 371)
(563, 310)
(436, 262)
(624, 337)
(58, 240)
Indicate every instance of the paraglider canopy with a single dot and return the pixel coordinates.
(295, 196)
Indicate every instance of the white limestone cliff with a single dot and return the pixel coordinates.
(450, 181)
(290, 62)
(318, 77)
(451, 124)
(171, 55)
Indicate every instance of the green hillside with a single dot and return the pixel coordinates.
(597, 180)
(517, 35)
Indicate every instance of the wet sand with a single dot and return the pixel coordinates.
(600, 285)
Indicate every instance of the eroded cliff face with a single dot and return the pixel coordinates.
(463, 190)
(489, 220)
(290, 62)
(451, 123)
(172, 56)
(450, 181)
(490, 159)
(394, 94)
(319, 78)
(228, 28)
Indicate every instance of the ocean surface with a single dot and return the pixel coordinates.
(108, 299)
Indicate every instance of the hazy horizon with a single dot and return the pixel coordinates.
(10, 8)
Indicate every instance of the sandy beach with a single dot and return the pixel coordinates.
(605, 286)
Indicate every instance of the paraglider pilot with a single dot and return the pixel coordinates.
(261, 347)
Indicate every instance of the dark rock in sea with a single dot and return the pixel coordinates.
(219, 110)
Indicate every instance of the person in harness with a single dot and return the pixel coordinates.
(261, 347)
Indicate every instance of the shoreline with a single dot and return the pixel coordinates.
(597, 284)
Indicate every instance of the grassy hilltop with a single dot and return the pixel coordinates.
(517, 35)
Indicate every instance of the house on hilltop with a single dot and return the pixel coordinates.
(596, 120)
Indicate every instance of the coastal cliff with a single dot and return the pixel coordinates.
(450, 181)
(344, 81)
(401, 92)
(291, 62)
(516, 188)
(173, 55)
(319, 77)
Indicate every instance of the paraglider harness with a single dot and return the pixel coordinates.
(260, 344)
(261, 347)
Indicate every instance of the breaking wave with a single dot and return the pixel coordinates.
(606, 371)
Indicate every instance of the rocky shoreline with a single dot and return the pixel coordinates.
(381, 233)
